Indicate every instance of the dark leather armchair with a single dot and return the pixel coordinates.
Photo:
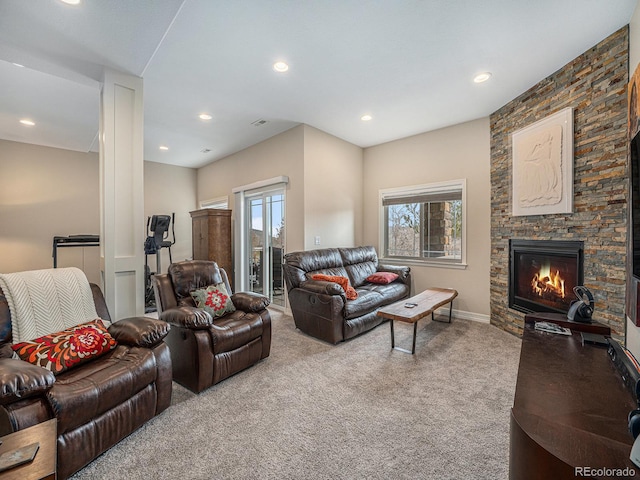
(96, 404)
(205, 351)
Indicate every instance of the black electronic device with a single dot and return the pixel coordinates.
(627, 366)
(634, 205)
(593, 339)
(581, 310)
(634, 423)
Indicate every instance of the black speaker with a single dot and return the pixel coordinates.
(634, 423)
(627, 366)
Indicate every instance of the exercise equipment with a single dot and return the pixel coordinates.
(157, 239)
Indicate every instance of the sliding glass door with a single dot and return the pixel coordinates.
(265, 237)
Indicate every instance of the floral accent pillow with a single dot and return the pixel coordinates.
(60, 351)
(382, 278)
(214, 299)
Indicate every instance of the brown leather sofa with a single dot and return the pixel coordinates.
(205, 351)
(96, 404)
(321, 308)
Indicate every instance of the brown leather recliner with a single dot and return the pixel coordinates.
(96, 404)
(205, 351)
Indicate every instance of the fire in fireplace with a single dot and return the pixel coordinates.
(547, 282)
(542, 274)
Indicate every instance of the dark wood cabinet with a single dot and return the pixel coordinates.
(570, 407)
(211, 233)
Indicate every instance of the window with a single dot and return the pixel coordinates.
(424, 223)
(219, 202)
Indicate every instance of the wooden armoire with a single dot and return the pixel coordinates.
(211, 234)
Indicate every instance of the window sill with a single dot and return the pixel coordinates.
(422, 263)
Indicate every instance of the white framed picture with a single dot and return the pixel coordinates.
(542, 174)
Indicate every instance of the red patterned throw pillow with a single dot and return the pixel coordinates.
(382, 278)
(60, 351)
(349, 291)
(214, 299)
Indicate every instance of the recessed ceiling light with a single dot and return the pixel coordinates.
(71, 2)
(27, 122)
(18, 65)
(482, 77)
(163, 147)
(280, 67)
(366, 118)
(205, 116)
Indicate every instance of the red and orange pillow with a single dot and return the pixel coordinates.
(63, 350)
(342, 281)
(382, 278)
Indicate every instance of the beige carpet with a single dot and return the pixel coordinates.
(357, 410)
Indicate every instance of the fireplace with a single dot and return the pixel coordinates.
(542, 274)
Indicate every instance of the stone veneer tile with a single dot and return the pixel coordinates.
(594, 84)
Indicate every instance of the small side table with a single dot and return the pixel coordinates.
(44, 464)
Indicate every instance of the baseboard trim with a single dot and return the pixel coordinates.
(443, 313)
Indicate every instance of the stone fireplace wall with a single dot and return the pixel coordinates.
(594, 85)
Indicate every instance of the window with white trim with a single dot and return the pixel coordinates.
(219, 202)
(424, 223)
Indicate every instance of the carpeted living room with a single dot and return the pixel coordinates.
(341, 239)
(354, 410)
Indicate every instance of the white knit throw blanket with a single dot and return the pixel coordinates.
(47, 301)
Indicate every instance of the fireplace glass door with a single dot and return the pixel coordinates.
(543, 274)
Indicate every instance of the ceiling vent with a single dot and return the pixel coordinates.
(259, 123)
(205, 150)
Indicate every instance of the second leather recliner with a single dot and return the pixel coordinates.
(204, 350)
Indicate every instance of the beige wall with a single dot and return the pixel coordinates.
(169, 189)
(633, 332)
(457, 152)
(47, 191)
(279, 155)
(333, 191)
(324, 194)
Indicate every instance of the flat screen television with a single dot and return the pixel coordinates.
(635, 204)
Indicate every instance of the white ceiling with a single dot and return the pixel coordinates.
(408, 63)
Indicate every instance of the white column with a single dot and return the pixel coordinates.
(122, 194)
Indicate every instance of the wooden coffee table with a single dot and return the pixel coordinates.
(425, 303)
(43, 465)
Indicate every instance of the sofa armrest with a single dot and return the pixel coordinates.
(187, 317)
(402, 272)
(5, 350)
(19, 379)
(317, 313)
(139, 331)
(250, 302)
(323, 287)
